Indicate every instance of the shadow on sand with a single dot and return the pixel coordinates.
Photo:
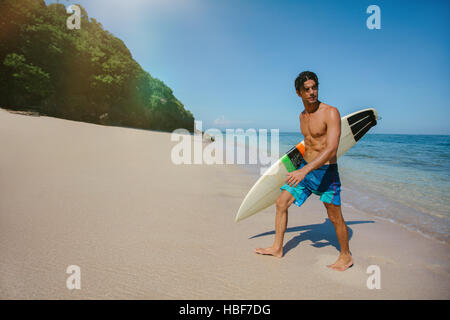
(321, 235)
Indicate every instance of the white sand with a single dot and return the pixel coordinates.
(110, 201)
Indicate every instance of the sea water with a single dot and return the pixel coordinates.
(402, 178)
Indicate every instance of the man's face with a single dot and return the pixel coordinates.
(309, 92)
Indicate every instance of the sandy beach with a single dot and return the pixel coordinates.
(110, 201)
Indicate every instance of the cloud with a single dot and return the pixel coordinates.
(224, 122)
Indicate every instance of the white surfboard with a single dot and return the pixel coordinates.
(266, 190)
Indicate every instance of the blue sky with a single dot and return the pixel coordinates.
(233, 63)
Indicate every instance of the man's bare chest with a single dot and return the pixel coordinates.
(313, 127)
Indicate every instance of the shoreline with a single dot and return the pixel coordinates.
(351, 192)
(351, 203)
(109, 200)
(420, 229)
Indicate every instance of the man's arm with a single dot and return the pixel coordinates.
(333, 121)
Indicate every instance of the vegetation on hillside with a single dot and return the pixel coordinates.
(85, 75)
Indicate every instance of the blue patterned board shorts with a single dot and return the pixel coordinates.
(323, 181)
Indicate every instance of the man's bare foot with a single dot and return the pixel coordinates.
(270, 251)
(344, 262)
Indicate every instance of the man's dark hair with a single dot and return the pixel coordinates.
(303, 77)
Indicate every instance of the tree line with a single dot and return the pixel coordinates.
(84, 75)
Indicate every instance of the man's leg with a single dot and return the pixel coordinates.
(345, 258)
(283, 202)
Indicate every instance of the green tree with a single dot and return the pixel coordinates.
(86, 75)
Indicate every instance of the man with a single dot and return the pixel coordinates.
(321, 126)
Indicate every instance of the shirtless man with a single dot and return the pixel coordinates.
(321, 126)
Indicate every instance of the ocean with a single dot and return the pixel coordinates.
(402, 178)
